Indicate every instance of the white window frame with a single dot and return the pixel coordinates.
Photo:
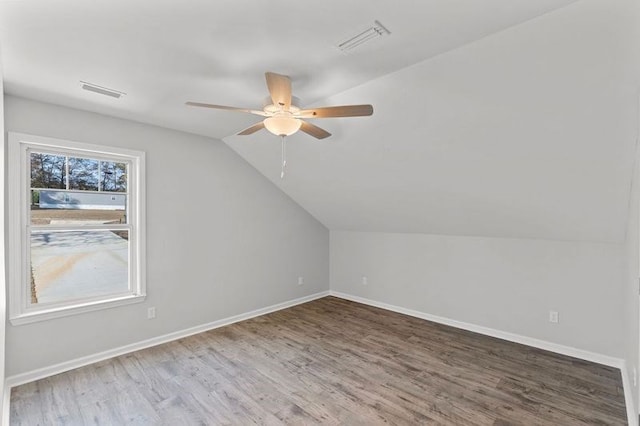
(19, 180)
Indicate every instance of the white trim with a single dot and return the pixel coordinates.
(19, 146)
(4, 419)
(511, 337)
(64, 146)
(66, 310)
(41, 373)
(20, 379)
(632, 416)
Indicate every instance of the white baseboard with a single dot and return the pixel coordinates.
(6, 400)
(512, 337)
(632, 416)
(41, 373)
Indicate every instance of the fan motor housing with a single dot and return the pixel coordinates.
(269, 107)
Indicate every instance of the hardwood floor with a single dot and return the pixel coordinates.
(329, 361)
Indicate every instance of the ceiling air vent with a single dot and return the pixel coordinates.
(373, 32)
(101, 90)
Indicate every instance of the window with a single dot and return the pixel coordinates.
(76, 231)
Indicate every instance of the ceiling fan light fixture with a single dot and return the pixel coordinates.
(282, 125)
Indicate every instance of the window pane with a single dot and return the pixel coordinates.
(47, 171)
(70, 265)
(83, 174)
(113, 176)
(55, 207)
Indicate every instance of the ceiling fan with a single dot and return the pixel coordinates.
(284, 118)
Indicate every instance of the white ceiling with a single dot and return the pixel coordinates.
(512, 118)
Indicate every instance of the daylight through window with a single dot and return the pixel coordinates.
(78, 215)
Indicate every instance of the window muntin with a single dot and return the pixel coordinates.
(76, 220)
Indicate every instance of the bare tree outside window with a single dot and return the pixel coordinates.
(79, 243)
(83, 174)
(113, 176)
(77, 192)
(48, 171)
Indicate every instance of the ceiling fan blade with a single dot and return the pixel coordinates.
(251, 130)
(313, 130)
(228, 108)
(280, 89)
(337, 111)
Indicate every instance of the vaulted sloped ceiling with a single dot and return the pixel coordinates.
(528, 133)
(510, 118)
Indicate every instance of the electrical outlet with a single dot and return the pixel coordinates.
(365, 281)
(151, 313)
(553, 317)
(300, 280)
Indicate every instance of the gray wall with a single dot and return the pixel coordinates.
(631, 305)
(2, 253)
(231, 243)
(210, 257)
(505, 284)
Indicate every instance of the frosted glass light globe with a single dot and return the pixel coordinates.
(282, 125)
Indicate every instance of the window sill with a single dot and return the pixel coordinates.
(63, 311)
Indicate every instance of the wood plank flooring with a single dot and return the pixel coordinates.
(329, 361)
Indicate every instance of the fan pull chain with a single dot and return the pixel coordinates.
(284, 156)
